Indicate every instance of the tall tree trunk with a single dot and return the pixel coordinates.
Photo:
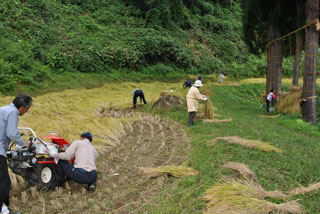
(297, 58)
(308, 107)
(299, 44)
(274, 61)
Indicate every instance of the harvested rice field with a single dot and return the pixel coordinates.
(149, 161)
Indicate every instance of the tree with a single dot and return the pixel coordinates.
(308, 106)
(299, 43)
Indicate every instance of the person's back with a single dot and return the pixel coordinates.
(138, 93)
(85, 155)
(187, 84)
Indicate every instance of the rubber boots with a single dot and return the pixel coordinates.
(190, 123)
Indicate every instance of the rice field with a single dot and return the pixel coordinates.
(151, 162)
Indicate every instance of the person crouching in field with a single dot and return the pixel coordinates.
(84, 170)
(187, 84)
(138, 93)
(192, 100)
(269, 98)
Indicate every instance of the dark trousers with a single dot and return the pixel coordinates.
(4, 182)
(268, 105)
(192, 115)
(78, 175)
(138, 93)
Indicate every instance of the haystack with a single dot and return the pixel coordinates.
(289, 102)
(175, 171)
(167, 100)
(234, 197)
(255, 144)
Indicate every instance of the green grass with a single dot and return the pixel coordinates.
(298, 165)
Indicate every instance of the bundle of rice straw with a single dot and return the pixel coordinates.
(175, 171)
(208, 108)
(217, 121)
(304, 190)
(17, 182)
(249, 143)
(289, 102)
(247, 198)
(241, 168)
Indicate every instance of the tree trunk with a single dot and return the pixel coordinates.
(274, 61)
(308, 107)
(299, 44)
(297, 59)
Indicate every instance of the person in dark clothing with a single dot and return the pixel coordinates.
(9, 132)
(200, 77)
(187, 84)
(138, 93)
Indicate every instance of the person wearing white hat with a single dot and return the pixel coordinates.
(192, 100)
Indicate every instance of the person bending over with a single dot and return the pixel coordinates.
(84, 170)
(138, 93)
(187, 84)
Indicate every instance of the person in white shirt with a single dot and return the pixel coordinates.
(221, 78)
(84, 170)
(269, 98)
(192, 101)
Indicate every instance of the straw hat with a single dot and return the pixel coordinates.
(198, 83)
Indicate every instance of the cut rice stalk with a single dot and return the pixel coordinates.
(176, 171)
(249, 143)
(217, 121)
(241, 168)
(208, 108)
(304, 190)
(235, 197)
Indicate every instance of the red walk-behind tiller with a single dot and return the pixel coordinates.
(34, 164)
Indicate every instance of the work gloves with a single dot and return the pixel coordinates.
(204, 98)
(52, 152)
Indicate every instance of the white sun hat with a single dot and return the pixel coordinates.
(198, 83)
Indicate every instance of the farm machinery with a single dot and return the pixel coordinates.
(34, 164)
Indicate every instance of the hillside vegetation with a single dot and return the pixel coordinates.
(149, 39)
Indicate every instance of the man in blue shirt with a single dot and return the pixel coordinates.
(9, 132)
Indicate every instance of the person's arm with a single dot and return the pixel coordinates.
(13, 131)
(69, 153)
(274, 96)
(198, 96)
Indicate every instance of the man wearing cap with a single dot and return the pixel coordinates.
(84, 170)
(192, 100)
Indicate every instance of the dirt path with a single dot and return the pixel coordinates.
(147, 141)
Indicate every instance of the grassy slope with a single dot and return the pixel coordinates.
(70, 112)
(298, 165)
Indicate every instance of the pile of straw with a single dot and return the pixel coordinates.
(289, 102)
(249, 143)
(247, 198)
(304, 190)
(17, 182)
(175, 171)
(217, 121)
(241, 168)
(208, 107)
(167, 100)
